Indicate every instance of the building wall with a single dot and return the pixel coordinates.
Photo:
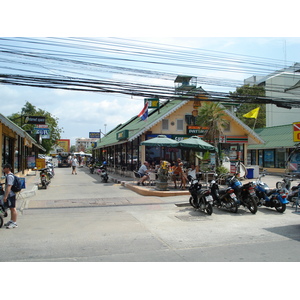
(275, 87)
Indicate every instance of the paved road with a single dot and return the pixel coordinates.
(78, 218)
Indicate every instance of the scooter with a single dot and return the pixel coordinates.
(103, 173)
(224, 198)
(45, 177)
(50, 169)
(271, 198)
(200, 199)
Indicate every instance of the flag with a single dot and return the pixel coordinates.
(252, 114)
(144, 113)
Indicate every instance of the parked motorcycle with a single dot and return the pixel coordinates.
(45, 177)
(245, 193)
(102, 171)
(293, 191)
(50, 169)
(271, 198)
(200, 199)
(92, 168)
(224, 198)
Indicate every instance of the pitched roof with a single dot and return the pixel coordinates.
(275, 137)
(18, 130)
(136, 127)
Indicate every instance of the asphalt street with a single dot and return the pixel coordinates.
(80, 219)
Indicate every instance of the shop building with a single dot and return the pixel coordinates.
(273, 154)
(17, 147)
(176, 119)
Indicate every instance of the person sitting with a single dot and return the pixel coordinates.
(192, 171)
(143, 171)
(178, 174)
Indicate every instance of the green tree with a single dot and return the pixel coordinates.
(212, 115)
(51, 121)
(246, 93)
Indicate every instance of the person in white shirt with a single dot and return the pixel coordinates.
(143, 171)
(74, 163)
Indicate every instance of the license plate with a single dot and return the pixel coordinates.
(252, 192)
(232, 195)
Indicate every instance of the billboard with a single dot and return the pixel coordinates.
(64, 144)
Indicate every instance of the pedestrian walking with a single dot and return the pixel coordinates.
(9, 198)
(74, 163)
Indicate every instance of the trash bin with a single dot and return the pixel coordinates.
(250, 172)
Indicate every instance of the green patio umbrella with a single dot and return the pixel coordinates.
(196, 143)
(161, 141)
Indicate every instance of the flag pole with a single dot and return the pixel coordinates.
(254, 123)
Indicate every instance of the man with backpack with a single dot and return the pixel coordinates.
(9, 198)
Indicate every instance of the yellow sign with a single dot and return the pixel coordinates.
(296, 128)
(40, 163)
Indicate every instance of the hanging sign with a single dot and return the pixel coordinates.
(152, 102)
(94, 135)
(34, 120)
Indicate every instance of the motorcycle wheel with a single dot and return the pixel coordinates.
(44, 185)
(252, 206)
(234, 207)
(192, 202)
(279, 184)
(281, 208)
(209, 209)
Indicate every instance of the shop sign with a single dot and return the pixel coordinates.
(94, 135)
(42, 131)
(34, 120)
(296, 128)
(122, 135)
(236, 139)
(196, 130)
(30, 162)
(40, 163)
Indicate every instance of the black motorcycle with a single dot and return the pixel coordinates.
(200, 199)
(224, 198)
(246, 193)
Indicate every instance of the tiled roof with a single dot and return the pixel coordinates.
(275, 137)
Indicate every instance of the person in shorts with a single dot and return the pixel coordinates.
(9, 197)
(74, 163)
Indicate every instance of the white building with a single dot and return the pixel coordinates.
(81, 144)
(284, 83)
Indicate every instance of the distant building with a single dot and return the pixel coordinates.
(81, 144)
(284, 83)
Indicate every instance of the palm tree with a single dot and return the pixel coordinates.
(212, 115)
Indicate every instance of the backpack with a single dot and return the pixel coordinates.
(17, 185)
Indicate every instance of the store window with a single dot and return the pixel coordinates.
(7, 150)
(280, 158)
(269, 161)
